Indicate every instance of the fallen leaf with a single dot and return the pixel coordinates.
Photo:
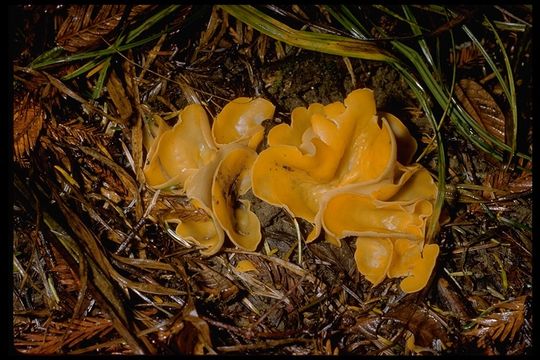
(87, 25)
(454, 300)
(424, 325)
(119, 98)
(481, 106)
(27, 123)
(501, 325)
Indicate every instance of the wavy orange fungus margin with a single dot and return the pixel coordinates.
(343, 167)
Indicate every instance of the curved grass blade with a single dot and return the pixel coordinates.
(417, 31)
(449, 101)
(48, 55)
(101, 80)
(98, 53)
(509, 26)
(83, 69)
(130, 43)
(133, 34)
(456, 113)
(349, 15)
(348, 21)
(326, 43)
(406, 19)
(511, 87)
(508, 88)
(460, 117)
(489, 60)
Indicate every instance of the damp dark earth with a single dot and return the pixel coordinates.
(271, 180)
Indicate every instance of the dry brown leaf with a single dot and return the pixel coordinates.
(119, 98)
(59, 335)
(423, 324)
(482, 107)
(212, 37)
(194, 338)
(75, 132)
(502, 180)
(65, 274)
(28, 117)
(173, 207)
(188, 333)
(86, 25)
(522, 183)
(454, 300)
(498, 326)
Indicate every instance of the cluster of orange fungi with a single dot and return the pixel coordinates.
(342, 167)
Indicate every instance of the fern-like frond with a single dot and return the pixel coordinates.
(28, 116)
(86, 25)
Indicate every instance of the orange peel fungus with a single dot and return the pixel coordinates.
(212, 167)
(344, 168)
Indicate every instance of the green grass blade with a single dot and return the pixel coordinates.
(48, 55)
(326, 43)
(98, 53)
(83, 69)
(399, 17)
(346, 22)
(449, 100)
(101, 80)
(465, 124)
(508, 26)
(457, 114)
(151, 21)
(511, 87)
(416, 31)
(489, 60)
(129, 43)
(357, 24)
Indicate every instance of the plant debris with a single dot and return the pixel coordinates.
(98, 266)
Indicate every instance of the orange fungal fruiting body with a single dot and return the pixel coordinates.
(205, 164)
(342, 167)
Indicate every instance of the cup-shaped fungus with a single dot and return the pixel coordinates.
(232, 179)
(211, 166)
(324, 148)
(377, 258)
(177, 153)
(240, 121)
(342, 168)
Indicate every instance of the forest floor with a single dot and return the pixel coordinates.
(96, 271)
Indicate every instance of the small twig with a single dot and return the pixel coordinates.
(139, 224)
(509, 14)
(248, 333)
(64, 89)
(167, 78)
